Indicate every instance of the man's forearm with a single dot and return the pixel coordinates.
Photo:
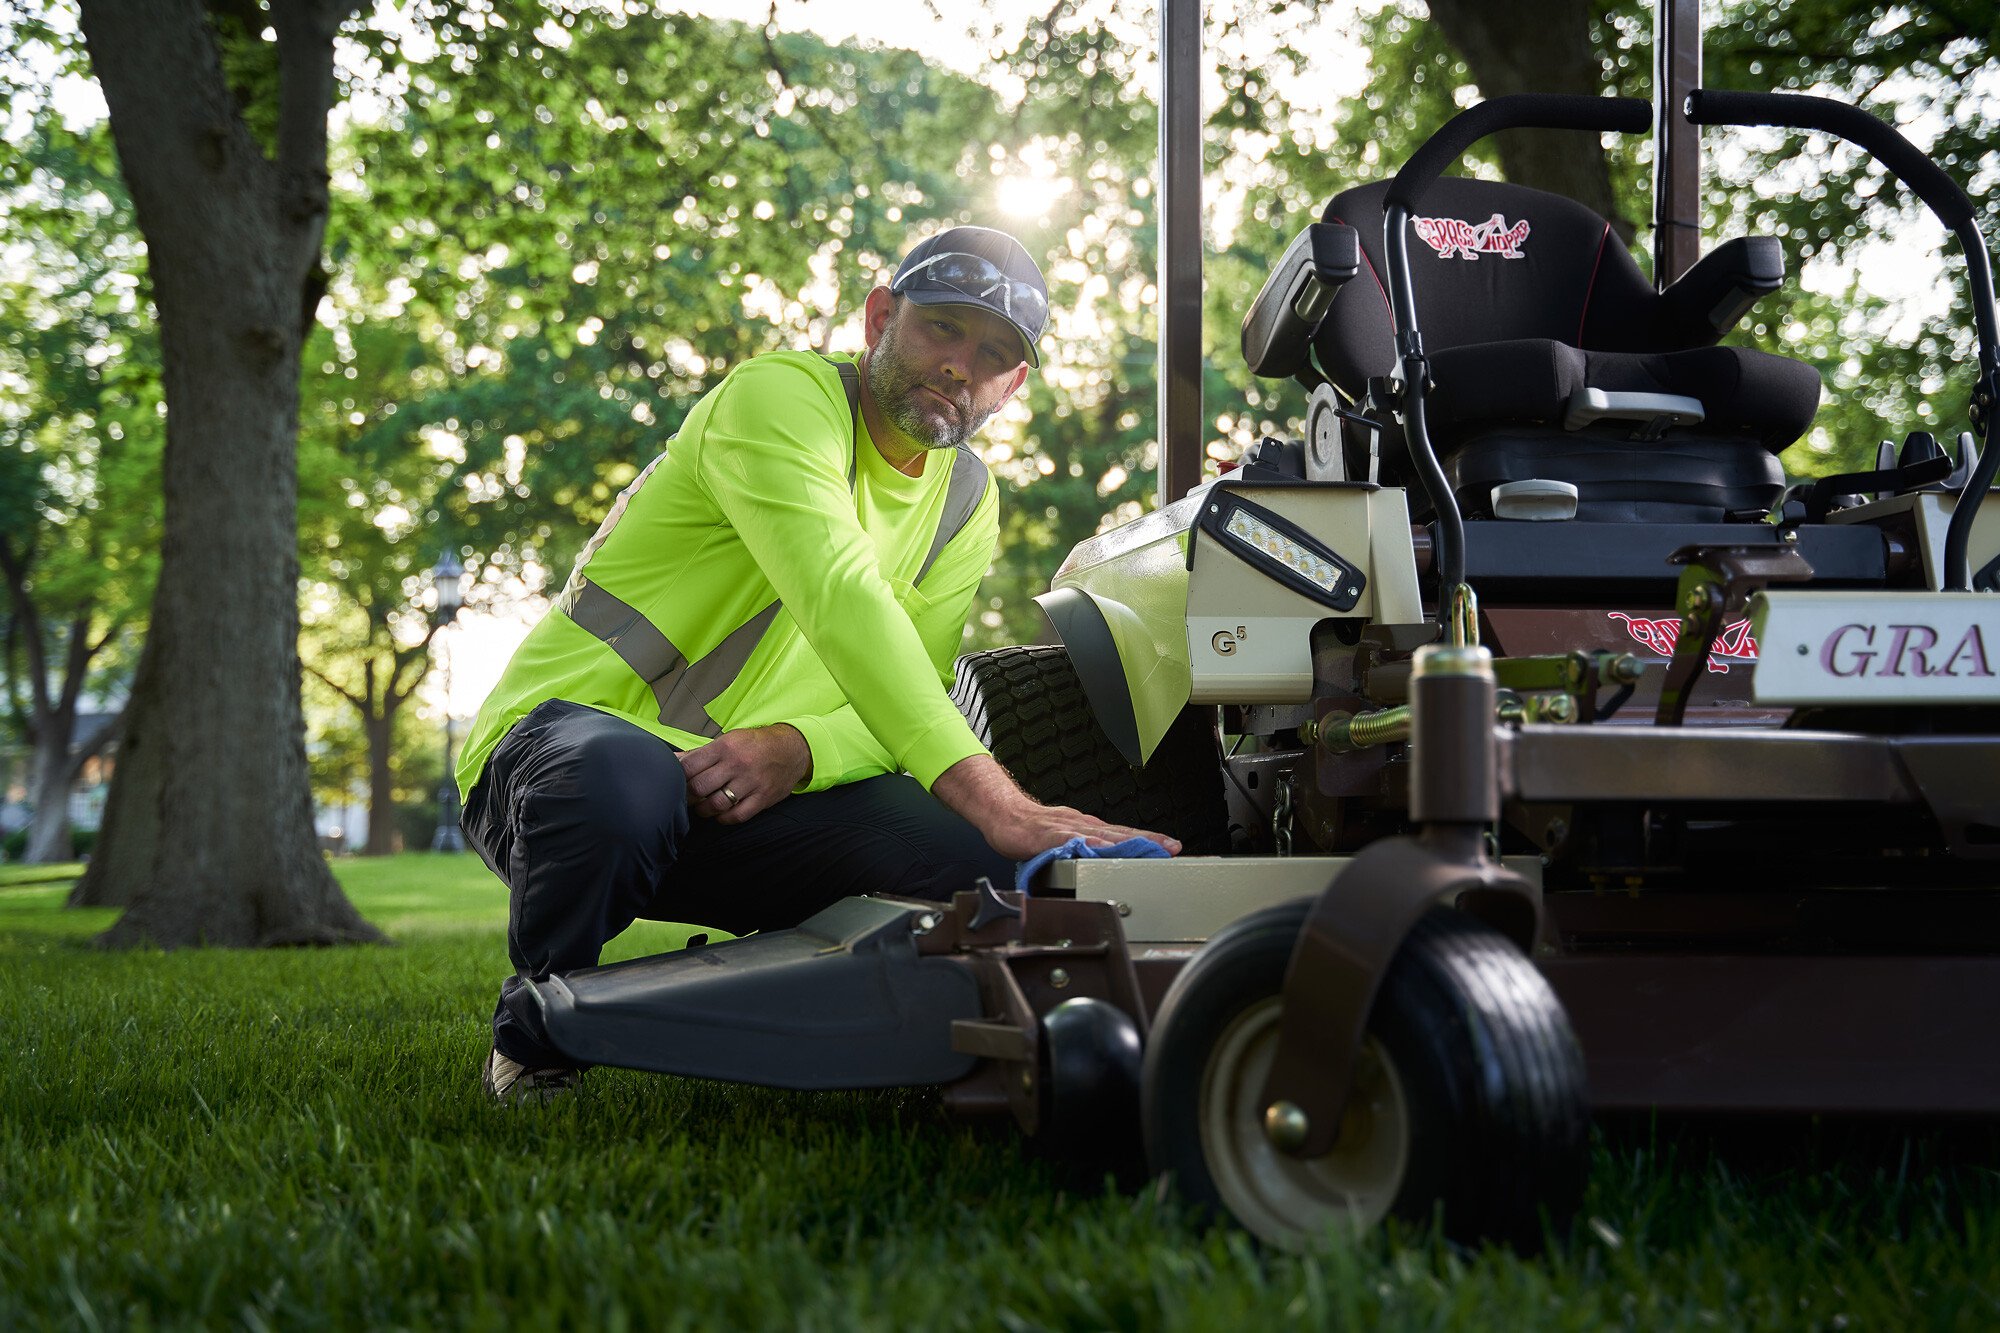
(977, 786)
(1014, 823)
(794, 741)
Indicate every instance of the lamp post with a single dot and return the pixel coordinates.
(444, 577)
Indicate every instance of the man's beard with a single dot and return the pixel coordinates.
(898, 388)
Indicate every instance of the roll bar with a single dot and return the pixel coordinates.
(1711, 106)
(1941, 194)
(1539, 111)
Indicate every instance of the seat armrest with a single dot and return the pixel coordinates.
(1651, 415)
(1278, 329)
(1706, 301)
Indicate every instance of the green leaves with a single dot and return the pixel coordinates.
(1890, 369)
(555, 226)
(80, 423)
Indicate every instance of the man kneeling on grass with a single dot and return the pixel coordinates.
(736, 712)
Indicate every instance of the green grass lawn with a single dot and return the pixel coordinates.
(296, 1139)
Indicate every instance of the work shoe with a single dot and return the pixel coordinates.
(510, 1082)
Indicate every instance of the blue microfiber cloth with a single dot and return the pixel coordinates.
(1077, 847)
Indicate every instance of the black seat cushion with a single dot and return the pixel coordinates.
(1744, 392)
(1523, 298)
(1684, 477)
(1494, 264)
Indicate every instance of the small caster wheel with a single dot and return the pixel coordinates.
(1090, 1083)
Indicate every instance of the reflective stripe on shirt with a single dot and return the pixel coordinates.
(684, 690)
(963, 493)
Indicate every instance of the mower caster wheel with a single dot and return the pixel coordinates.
(1090, 1055)
(1468, 1099)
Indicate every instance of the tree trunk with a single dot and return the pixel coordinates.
(210, 835)
(122, 857)
(380, 732)
(1541, 49)
(48, 833)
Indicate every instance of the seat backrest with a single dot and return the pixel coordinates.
(1490, 262)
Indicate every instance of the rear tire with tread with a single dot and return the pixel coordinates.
(1028, 707)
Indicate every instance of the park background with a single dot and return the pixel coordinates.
(552, 228)
(547, 229)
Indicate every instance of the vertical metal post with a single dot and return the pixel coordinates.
(448, 837)
(1180, 248)
(445, 577)
(1676, 144)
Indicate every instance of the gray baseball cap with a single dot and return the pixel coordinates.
(980, 267)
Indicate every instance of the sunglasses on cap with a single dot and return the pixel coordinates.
(982, 282)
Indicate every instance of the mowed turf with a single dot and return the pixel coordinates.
(296, 1139)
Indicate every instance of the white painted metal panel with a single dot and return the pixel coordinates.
(1189, 898)
(1876, 647)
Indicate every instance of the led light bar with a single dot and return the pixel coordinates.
(1284, 550)
(1296, 556)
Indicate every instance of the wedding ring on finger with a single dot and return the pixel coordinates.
(730, 796)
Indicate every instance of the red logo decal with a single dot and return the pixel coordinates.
(1449, 236)
(1734, 644)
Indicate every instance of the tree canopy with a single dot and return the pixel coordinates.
(551, 226)
(80, 437)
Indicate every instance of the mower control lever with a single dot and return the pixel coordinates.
(1551, 111)
(1821, 495)
(1706, 106)
(1716, 585)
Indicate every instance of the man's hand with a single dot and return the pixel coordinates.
(742, 772)
(1014, 823)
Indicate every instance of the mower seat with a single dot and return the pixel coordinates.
(1556, 363)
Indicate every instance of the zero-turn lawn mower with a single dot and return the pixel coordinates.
(1577, 761)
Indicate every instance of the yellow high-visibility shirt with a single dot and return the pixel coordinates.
(750, 505)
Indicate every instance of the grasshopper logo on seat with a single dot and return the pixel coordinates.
(1468, 240)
